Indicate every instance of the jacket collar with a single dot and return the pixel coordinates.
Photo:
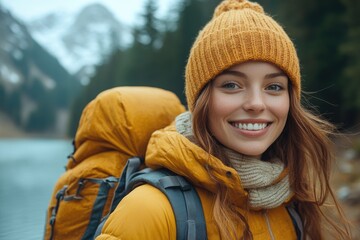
(170, 149)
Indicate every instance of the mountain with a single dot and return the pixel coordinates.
(80, 41)
(35, 89)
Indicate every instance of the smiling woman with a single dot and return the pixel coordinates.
(259, 160)
(249, 106)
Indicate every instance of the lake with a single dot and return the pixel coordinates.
(29, 169)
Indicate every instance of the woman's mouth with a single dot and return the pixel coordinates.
(250, 126)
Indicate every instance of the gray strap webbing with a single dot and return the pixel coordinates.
(191, 222)
(296, 221)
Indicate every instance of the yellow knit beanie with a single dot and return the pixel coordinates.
(239, 31)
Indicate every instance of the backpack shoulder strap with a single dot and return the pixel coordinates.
(296, 219)
(132, 166)
(185, 202)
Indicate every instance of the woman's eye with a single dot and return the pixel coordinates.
(230, 85)
(274, 87)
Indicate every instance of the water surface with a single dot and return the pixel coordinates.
(29, 169)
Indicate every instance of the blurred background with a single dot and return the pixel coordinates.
(55, 56)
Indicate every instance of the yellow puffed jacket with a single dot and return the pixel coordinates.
(145, 213)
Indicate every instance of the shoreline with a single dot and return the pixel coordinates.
(9, 130)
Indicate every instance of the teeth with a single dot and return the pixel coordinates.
(250, 126)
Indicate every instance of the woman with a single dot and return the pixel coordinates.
(246, 143)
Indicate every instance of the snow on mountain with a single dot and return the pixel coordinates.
(80, 41)
(12, 44)
(34, 87)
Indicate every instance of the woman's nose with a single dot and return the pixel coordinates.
(254, 102)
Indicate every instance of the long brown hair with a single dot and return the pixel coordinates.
(306, 149)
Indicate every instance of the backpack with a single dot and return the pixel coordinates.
(115, 127)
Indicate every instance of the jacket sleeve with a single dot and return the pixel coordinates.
(145, 213)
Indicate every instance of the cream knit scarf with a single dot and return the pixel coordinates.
(267, 182)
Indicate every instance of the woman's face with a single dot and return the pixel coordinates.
(249, 104)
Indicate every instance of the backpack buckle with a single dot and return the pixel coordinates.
(175, 181)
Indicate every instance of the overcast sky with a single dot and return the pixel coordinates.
(125, 10)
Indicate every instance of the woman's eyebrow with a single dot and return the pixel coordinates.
(243, 75)
(274, 75)
(236, 73)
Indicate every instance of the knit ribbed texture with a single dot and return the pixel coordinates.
(266, 182)
(239, 31)
(183, 123)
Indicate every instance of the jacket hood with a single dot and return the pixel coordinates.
(168, 148)
(122, 119)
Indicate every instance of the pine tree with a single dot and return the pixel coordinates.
(318, 29)
(351, 74)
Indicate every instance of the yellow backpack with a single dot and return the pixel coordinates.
(115, 126)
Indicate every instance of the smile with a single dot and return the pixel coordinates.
(250, 126)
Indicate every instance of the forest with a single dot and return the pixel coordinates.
(326, 34)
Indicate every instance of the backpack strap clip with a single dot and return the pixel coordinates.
(59, 196)
(174, 181)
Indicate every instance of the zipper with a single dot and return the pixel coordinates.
(268, 225)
